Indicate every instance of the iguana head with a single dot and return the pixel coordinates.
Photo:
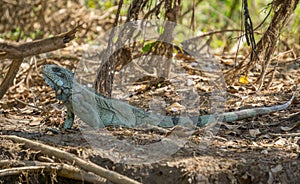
(60, 79)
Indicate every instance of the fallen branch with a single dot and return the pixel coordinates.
(14, 51)
(62, 170)
(11, 74)
(20, 170)
(84, 164)
(17, 52)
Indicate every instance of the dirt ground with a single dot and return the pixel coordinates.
(262, 149)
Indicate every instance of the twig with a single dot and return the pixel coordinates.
(286, 135)
(19, 170)
(190, 9)
(63, 170)
(290, 61)
(214, 32)
(84, 164)
(32, 106)
(156, 8)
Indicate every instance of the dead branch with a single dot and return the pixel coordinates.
(62, 170)
(20, 170)
(14, 51)
(84, 164)
(17, 52)
(11, 74)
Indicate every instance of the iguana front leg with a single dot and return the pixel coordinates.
(70, 119)
(68, 123)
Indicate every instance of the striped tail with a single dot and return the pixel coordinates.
(241, 114)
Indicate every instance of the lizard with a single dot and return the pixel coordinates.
(98, 111)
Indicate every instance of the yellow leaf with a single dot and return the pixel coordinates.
(244, 79)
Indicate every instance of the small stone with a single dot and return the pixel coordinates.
(190, 82)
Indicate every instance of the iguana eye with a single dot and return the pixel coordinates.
(56, 69)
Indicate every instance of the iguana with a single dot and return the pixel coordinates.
(98, 111)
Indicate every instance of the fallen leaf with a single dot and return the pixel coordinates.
(175, 108)
(277, 168)
(244, 79)
(280, 142)
(254, 132)
(290, 128)
(232, 89)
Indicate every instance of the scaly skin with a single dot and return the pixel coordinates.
(98, 111)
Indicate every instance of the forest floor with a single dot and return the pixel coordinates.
(263, 149)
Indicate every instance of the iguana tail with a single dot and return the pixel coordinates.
(241, 114)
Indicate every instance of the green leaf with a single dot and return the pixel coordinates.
(147, 47)
(160, 30)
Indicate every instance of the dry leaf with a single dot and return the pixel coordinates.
(175, 108)
(230, 127)
(277, 168)
(35, 121)
(244, 79)
(254, 132)
(290, 128)
(232, 89)
(228, 62)
(179, 131)
(280, 142)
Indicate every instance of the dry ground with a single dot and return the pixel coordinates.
(263, 149)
